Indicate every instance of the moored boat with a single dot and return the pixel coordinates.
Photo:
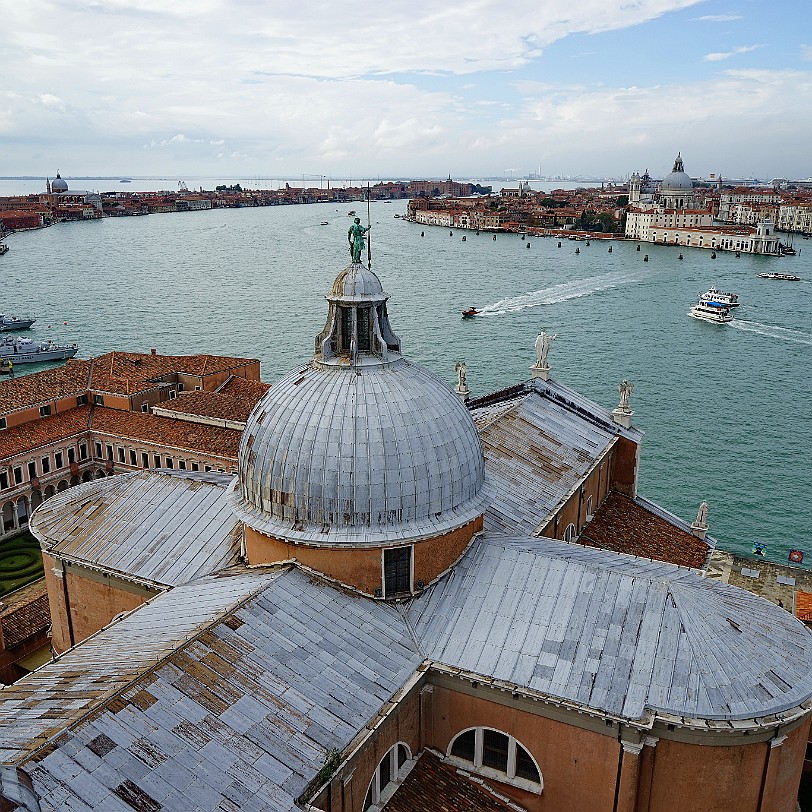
(28, 351)
(787, 277)
(14, 323)
(715, 295)
(711, 311)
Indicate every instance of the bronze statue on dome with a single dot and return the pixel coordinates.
(355, 237)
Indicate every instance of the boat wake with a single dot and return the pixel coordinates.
(773, 331)
(557, 293)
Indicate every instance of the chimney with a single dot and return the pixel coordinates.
(153, 351)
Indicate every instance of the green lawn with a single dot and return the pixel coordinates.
(20, 562)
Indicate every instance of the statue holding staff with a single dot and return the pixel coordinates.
(355, 237)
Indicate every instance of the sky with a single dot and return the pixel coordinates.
(405, 88)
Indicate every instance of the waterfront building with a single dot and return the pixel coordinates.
(670, 217)
(90, 419)
(427, 604)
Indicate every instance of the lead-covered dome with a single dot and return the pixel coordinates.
(59, 185)
(678, 180)
(361, 446)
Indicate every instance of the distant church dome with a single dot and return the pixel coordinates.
(678, 180)
(360, 446)
(59, 185)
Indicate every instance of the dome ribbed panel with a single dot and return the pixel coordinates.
(336, 457)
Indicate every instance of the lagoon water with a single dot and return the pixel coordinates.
(725, 409)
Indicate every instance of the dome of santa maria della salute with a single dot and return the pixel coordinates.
(359, 447)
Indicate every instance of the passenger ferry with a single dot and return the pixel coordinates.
(787, 277)
(715, 295)
(711, 311)
(28, 351)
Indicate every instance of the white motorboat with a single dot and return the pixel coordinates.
(28, 351)
(14, 323)
(711, 311)
(715, 295)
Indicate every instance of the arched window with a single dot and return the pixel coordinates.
(394, 767)
(569, 533)
(496, 755)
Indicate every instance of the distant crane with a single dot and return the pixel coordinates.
(182, 187)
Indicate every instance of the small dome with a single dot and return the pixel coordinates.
(360, 447)
(59, 185)
(677, 180)
(356, 283)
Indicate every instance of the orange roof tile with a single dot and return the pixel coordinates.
(24, 613)
(803, 606)
(165, 431)
(44, 387)
(44, 431)
(622, 525)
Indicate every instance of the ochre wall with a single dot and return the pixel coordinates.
(94, 602)
(578, 767)
(784, 771)
(711, 779)
(624, 466)
(362, 568)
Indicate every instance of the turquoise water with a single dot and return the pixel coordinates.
(725, 408)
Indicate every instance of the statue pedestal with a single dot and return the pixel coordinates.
(623, 417)
(699, 530)
(540, 372)
(464, 392)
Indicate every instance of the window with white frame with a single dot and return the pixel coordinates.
(388, 776)
(569, 533)
(495, 755)
(589, 513)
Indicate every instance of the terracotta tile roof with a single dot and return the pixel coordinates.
(165, 431)
(129, 372)
(803, 606)
(43, 431)
(433, 786)
(24, 613)
(44, 387)
(622, 525)
(234, 400)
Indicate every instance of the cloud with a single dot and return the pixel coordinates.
(806, 52)
(718, 18)
(720, 55)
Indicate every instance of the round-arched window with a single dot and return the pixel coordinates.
(497, 755)
(389, 773)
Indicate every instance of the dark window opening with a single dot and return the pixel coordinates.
(525, 767)
(3, 480)
(46, 464)
(133, 457)
(98, 454)
(121, 454)
(397, 571)
(495, 750)
(464, 746)
(83, 451)
(109, 449)
(156, 458)
(346, 328)
(59, 459)
(44, 411)
(98, 400)
(144, 460)
(18, 476)
(32, 469)
(363, 329)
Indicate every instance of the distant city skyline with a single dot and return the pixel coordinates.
(597, 88)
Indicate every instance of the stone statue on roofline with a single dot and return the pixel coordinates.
(702, 516)
(541, 369)
(625, 389)
(462, 387)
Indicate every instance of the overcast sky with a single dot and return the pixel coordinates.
(405, 88)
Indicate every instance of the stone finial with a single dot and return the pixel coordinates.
(622, 413)
(700, 525)
(541, 369)
(461, 388)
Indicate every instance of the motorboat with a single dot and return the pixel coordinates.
(28, 351)
(715, 295)
(471, 311)
(325, 223)
(711, 311)
(14, 323)
(787, 277)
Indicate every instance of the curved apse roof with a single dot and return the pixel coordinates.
(614, 633)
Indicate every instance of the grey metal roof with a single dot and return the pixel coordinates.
(613, 632)
(163, 527)
(537, 450)
(243, 716)
(35, 708)
(374, 454)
